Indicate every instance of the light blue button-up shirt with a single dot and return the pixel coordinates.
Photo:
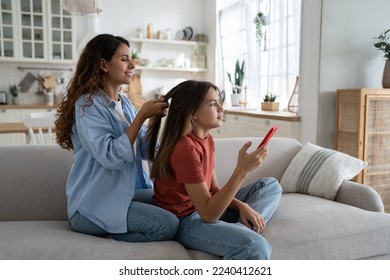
(106, 169)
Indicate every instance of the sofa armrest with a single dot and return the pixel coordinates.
(359, 195)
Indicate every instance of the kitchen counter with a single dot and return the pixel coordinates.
(258, 113)
(13, 128)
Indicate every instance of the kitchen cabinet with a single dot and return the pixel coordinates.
(8, 35)
(238, 123)
(37, 31)
(363, 131)
(170, 55)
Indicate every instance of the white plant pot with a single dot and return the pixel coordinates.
(16, 100)
(236, 98)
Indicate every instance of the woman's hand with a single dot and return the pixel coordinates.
(153, 108)
(150, 109)
(250, 218)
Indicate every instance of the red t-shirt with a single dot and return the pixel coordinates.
(192, 161)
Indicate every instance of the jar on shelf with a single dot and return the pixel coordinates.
(167, 34)
(138, 33)
(149, 33)
(160, 35)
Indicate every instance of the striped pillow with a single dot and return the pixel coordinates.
(320, 172)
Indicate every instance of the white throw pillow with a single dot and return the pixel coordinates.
(319, 172)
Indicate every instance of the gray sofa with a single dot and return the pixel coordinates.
(33, 221)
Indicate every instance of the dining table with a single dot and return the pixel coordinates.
(13, 127)
(16, 127)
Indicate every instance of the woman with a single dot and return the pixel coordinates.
(108, 140)
(222, 221)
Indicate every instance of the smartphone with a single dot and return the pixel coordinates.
(270, 133)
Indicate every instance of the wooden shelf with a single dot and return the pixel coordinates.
(170, 42)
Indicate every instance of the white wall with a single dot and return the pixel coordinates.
(348, 58)
(125, 16)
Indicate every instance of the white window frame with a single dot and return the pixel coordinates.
(279, 62)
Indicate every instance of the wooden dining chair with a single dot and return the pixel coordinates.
(42, 123)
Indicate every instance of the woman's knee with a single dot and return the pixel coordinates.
(81, 224)
(171, 225)
(150, 222)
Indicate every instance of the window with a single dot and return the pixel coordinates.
(271, 65)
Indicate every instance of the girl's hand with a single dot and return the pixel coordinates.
(247, 162)
(250, 218)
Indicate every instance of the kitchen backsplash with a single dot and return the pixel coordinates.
(29, 79)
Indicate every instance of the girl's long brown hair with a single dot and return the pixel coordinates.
(88, 79)
(186, 98)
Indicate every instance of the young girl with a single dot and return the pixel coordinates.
(222, 221)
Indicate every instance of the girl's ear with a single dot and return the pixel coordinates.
(103, 65)
(194, 116)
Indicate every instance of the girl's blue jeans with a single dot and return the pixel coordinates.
(145, 222)
(228, 237)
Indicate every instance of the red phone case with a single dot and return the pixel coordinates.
(270, 133)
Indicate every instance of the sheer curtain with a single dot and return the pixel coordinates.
(272, 65)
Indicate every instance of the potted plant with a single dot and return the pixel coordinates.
(136, 57)
(14, 92)
(269, 103)
(382, 43)
(259, 22)
(239, 75)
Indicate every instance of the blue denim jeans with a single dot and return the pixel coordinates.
(228, 237)
(145, 222)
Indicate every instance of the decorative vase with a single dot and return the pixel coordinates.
(386, 75)
(236, 98)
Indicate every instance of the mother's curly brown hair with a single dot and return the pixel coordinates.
(88, 79)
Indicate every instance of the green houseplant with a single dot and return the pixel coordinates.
(239, 75)
(269, 103)
(136, 57)
(269, 97)
(259, 22)
(382, 43)
(14, 92)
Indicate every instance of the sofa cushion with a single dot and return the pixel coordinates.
(320, 172)
(281, 151)
(54, 240)
(33, 182)
(312, 228)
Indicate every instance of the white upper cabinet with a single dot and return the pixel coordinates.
(37, 31)
(62, 35)
(8, 33)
